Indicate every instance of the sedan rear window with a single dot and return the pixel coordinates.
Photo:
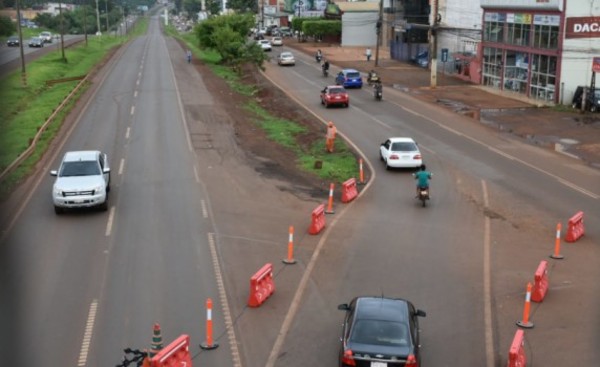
(353, 75)
(336, 91)
(378, 332)
(79, 168)
(404, 147)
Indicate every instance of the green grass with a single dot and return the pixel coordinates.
(25, 108)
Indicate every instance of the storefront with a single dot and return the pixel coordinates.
(521, 52)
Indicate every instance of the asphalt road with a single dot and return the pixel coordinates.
(191, 219)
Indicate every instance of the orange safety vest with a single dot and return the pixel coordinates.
(331, 131)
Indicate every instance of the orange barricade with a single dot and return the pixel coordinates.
(516, 354)
(261, 286)
(349, 191)
(318, 220)
(540, 286)
(575, 230)
(175, 354)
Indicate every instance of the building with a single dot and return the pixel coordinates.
(542, 49)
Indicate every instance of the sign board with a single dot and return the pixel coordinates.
(596, 64)
(582, 27)
(523, 4)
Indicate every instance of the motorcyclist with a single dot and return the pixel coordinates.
(340, 78)
(319, 55)
(422, 176)
(372, 76)
(325, 67)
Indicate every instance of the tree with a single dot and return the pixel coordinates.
(192, 7)
(243, 6)
(7, 27)
(213, 7)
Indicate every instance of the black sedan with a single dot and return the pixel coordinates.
(12, 41)
(380, 332)
(36, 42)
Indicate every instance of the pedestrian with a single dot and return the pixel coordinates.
(368, 53)
(189, 56)
(330, 137)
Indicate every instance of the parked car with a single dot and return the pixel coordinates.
(422, 59)
(335, 95)
(36, 42)
(265, 44)
(352, 78)
(277, 41)
(12, 41)
(82, 181)
(286, 58)
(400, 152)
(285, 32)
(46, 37)
(592, 100)
(380, 331)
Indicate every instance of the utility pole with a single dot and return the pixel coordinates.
(433, 39)
(106, 11)
(23, 72)
(84, 23)
(379, 26)
(62, 32)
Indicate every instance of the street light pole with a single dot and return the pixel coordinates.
(106, 10)
(433, 38)
(98, 31)
(379, 26)
(62, 32)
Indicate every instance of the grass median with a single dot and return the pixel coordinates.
(336, 167)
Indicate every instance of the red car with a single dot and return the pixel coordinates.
(334, 95)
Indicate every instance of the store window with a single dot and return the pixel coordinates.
(518, 29)
(493, 27)
(543, 77)
(492, 66)
(545, 31)
(516, 71)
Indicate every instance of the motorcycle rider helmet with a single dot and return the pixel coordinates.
(423, 167)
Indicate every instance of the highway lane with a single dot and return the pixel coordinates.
(462, 155)
(86, 285)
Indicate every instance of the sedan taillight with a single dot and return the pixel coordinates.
(394, 156)
(417, 156)
(411, 361)
(348, 358)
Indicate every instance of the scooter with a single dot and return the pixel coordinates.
(318, 57)
(423, 195)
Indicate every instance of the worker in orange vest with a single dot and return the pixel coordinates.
(330, 137)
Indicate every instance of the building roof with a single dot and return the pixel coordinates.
(358, 6)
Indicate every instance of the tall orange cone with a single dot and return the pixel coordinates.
(525, 323)
(209, 344)
(157, 342)
(290, 255)
(330, 201)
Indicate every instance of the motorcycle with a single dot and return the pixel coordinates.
(423, 195)
(325, 71)
(378, 92)
(318, 57)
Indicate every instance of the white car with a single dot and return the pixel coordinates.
(265, 44)
(286, 58)
(400, 152)
(46, 37)
(82, 181)
(277, 41)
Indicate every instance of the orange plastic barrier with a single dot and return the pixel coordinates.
(175, 354)
(516, 353)
(349, 191)
(540, 286)
(575, 230)
(261, 286)
(318, 220)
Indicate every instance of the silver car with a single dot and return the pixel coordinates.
(82, 181)
(286, 58)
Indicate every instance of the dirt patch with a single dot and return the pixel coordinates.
(268, 158)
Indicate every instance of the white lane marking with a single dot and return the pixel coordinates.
(196, 175)
(487, 284)
(135, 94)
(109, 224)
(87, 335)
(204, 210)
(127, 133)
(506, 155)
(132, 111)
(224, 304)
(371, 117)
(121, 166)
(137, 82)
